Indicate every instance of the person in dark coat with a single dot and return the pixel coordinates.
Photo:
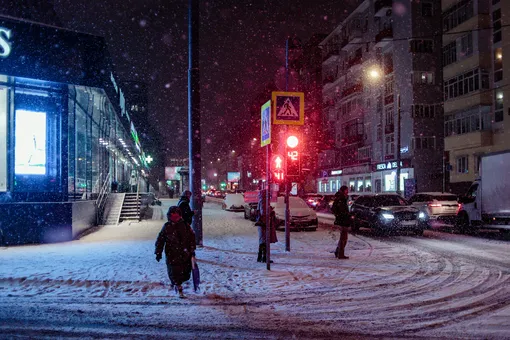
(261, 225)
(342, 219)
(178, 241)
(187, 213)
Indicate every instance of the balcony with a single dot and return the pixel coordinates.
(356, 60)
(355, 36)
(381, 7)
(384, 37)
(389, 128)
(352, 89)
(352, 139)
(474, 139)
(332, 51)
(328, 79)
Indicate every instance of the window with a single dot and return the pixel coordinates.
(389, 115)
(427, 9)
(466, 83)
(389, 145)
(498, 106)
(496, 23)
(475, 119)
(457, 14)
(420, 143)
(421, 46)
(379, 132)
(462, 165)
(364, 153)
(498, 64)
(423, 77)
(466, 45)
(450, 53)
(425, 110)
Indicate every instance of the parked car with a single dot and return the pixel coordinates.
(441, 208)
(325, 203)
(312, 199)
(250, 204)
(301, 215)
(219, 194)
(387, 213)
(233, 202)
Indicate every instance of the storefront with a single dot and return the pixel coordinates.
(63, 130)
(376, 178)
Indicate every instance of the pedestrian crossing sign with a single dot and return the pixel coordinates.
(288, 108)
(265, 124)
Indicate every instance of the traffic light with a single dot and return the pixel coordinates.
(293, 155)
(277, 168)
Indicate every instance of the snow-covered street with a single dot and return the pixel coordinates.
(108, 285)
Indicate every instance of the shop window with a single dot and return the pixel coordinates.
(3, 138)
(352, 185)
(368, 184)
(37, 152)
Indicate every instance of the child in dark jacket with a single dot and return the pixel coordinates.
(178, 240)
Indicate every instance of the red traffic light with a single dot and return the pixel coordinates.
(292, 141)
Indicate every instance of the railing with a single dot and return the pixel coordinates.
(138, 198)
(102, 197)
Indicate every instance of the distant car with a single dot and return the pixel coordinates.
(312, 199)
(233, 202)
(325, 202)
(441, 208)
(301, 215)
(387, 213)
(219, 194)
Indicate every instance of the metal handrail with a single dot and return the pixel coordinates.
(138, 198)
(102, 197)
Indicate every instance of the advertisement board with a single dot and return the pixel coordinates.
(233, 176)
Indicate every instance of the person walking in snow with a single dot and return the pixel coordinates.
(342, 219)
(187, 213)
(177, 239)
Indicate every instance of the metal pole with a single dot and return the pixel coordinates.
(287, 208)
(398, 144)
(267, 208)
(195, 165)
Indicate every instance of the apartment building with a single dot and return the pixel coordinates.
(475, 96)
(382, 79)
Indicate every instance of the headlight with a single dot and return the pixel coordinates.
(421, 215)
(388, 216)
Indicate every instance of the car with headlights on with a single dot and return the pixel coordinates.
(441, 207)
(312, 199)
(387, 213)
(302, 217)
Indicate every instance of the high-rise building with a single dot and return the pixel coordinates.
(382, 99)
(474, 90)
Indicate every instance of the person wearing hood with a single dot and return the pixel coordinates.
(342, 219)
(187, 213)
(177, 239)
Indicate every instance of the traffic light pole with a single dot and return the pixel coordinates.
(267, 207)
(287, 208)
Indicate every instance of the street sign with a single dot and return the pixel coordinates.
(288, 108)
(265, 124)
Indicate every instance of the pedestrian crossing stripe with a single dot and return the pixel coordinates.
(288, 108)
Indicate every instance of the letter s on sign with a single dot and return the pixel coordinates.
(5, 46)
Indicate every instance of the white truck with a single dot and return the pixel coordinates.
(487, 202)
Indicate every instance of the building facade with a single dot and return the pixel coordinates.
(475, 92)
(62, 118)
(382, 79)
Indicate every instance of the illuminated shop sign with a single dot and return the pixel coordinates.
(5, 44)
(391, 165)
(336, 172)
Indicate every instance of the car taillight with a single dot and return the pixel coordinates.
(435, 205)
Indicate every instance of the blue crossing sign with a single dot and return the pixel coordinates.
(265, 124)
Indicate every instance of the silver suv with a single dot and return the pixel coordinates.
(440, 207)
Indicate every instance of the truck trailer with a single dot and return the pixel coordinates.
(487, 202)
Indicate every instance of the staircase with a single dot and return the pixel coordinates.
(130, 208)
(113, 208)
